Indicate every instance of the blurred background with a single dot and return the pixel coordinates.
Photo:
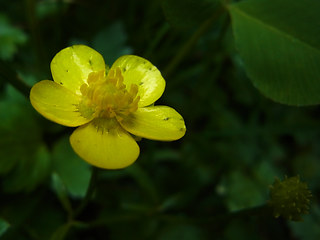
(237, 140)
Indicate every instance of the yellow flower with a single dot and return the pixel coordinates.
(108, 106)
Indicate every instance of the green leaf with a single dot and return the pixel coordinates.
(181, 231)
(279, 43)
(73, 172)
(241, 230)
(4, 225)
(143, 180)
(61, 191)
(10, 37)
(111, 42)
(308, 229)
(49, 8)
(61, 232)
(24, 159)
(242, 191)
(186, 14)
(29, 172)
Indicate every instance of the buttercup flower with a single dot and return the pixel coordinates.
(107, 106)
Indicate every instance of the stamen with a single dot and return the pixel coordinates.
(107, 96)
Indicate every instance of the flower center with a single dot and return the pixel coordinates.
(107, 96)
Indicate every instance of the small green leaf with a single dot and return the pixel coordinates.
(29, 172)
(10, 37)
(4, 225)
(308, 229)
(242, 191)
(143, 180)
(111, 42)
(186, 14)
(61, 232)
(73, 172)
(181, 231)
(279, 43)
(241, 230)
(24, 158)
(61, 191)
(49, 8)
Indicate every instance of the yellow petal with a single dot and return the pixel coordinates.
(57, 103)
(156, 122)
(105, 144)
(139, 71)
(72, 65)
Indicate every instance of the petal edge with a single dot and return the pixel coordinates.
(139, 71)
(71, 66)
(155, 122)
(105, 144)
(57, 103)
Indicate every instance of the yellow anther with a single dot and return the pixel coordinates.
(84, 89)
(107, 96)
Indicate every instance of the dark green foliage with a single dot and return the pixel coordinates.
(186, 14)
(25, 161)
(10, 37)
(111, 42)
(208, 185)
(280, 46)
(68, 168)
(3, 226)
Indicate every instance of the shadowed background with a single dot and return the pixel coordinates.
(237, 140)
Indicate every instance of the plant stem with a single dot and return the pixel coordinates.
(262, 210)
(159, 36)
(89, 193)
(221, 219)
(61, 232)
(35, 30)
(185, 48)
(7, 74)
(114, 219)
(215, 222)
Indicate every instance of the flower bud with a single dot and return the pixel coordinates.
(289, 198)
